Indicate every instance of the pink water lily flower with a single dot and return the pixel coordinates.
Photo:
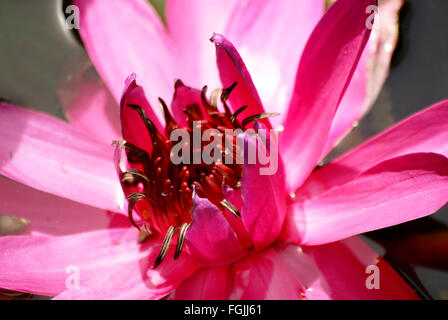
(296, 234)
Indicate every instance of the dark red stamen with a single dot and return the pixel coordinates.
(161, 191)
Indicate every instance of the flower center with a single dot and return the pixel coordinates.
(161, 188)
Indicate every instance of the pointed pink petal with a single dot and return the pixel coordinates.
(183, 97)
(381, 47)
(212, 283)
(264, 199)
(133, 127)
(270, 36)
(428, 130)
(48, 154)
(210, 240)
(136, 280)
(232, 69)
(395, 191)
(370, 74)
(39, 264)
(123, 37)
(338, 271)
(264, 277)
(51, 215)
(351, 107)
(191, 23)
(237, 224)
(326, 68)
(90, 107)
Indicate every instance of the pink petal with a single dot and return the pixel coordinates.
(264, 277)
(352, 106)
(39, 264)
(212, 283)
(395, 191)
(191, 23)
(127, 284)
(270, 36)
(123, 37)
(183, 97)
(133, 127)
(381, 47)
(232, 69)
(51, 215)
(136, 280)
(426, 131)
(210, 239)
(326, 68)
(90, 107)
(339, 271)
(237, 224)
(334, 271)
(264, 200)
(48, 154)
(370, 74)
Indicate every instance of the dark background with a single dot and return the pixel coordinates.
(37, 54)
